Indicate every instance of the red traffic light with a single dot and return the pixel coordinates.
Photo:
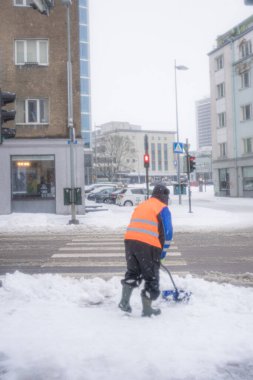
(146, 160)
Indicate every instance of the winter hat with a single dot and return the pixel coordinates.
(161, 192)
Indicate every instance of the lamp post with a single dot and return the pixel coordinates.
(178, 67)
(70, 115)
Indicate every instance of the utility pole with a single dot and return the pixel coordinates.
(146, 162)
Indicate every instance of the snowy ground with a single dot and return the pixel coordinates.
(53, 327)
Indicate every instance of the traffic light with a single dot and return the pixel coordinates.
(5, 116)
(146, 160)
(192, 163)
(43, 6)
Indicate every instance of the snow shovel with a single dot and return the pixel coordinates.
(177, 295)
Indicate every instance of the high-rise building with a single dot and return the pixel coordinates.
(231, 77)
(36, 165)
(203, 121)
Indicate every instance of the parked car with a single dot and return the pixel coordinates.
(94, 186)
(114, 194)
(131, 196)
(91, 196)
(103, 195)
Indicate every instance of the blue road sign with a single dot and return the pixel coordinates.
(178, 147)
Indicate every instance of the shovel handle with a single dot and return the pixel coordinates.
(167, 270)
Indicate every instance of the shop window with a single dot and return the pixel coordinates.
(224, 180)
(247, 173)
(33, 177)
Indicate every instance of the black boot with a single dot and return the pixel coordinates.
(126, 294)
(147, 310)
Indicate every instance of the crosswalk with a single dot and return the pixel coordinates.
(102, 255)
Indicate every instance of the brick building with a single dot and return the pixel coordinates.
(33, 64)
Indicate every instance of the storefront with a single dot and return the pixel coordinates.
(34, 174)
(33, 179)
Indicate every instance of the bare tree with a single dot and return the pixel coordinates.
(113, 151)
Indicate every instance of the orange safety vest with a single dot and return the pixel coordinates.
(144, 223)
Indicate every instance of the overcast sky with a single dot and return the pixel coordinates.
(134, 44)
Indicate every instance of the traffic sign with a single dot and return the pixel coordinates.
(178, 147)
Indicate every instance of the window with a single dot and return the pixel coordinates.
(32, 111)
(223, 149)
(83, 16)
(84, 68)
(84, 86)
(247, 145)
(31, 51)
(245, 79)
(220, 90)
(165, 152)
(85, 104)
(219, 62)
(83, 33)
(221, 119)
(159, 149)
(33, 177)
(245, 49)
(224, 180)
(153, 158)
(246, 112)
(247, 174)
(22, 3)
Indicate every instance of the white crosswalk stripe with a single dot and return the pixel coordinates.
(94, 254)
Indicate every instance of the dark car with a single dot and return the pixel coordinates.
(92, 195)
(103, 195)
(113, 195)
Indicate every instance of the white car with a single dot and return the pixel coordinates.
(131, 196)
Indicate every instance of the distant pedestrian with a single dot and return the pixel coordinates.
(147, 239)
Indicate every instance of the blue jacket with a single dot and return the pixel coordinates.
(165, 230)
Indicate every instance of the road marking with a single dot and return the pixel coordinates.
(95, 254)
(108, 275)
(78, 263)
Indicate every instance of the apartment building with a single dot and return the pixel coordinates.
(231, 78)
(33, 64)
(160, 147)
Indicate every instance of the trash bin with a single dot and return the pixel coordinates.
(176, 189)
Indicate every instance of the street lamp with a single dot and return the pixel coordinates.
(178, 67)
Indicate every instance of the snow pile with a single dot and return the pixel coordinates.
(54, 327)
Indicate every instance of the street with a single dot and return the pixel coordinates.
(219, 256)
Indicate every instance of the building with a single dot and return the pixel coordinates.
(160, 144)
(203, 121)
(35, 166)
(231, 77)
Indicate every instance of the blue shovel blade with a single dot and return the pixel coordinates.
(178, 296)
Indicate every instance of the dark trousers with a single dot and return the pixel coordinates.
(143, 262)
